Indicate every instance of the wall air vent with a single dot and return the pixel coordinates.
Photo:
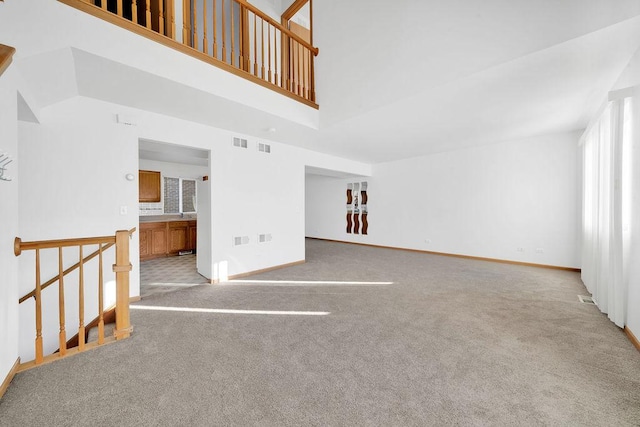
(126, 120)
(263, 238)
(239, 142)
(240, 240)
(264, 148)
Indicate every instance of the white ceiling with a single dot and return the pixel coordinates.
(552, 90)
(374, 52)
(405, 78)
(312, 170)
(152, 150)
(409, 78)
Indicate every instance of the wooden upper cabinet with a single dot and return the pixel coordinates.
(149, 186)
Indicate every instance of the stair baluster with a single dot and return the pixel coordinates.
(122, 267)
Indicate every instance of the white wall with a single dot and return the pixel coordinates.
(203, 239)
(72, 184)
(251, 192)
(273, 8)
(630, 78)
(256, 193)
(9, 228)
(633, 295)
(485, 202)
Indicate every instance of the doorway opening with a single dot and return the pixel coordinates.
(174, 216)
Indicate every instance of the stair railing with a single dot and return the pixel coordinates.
(232, 34)
(6, 54)
(122, 267)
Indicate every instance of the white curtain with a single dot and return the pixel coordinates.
(606, 209)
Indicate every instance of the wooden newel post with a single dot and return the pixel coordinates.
(122, 267)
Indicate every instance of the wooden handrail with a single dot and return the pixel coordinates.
(6, 54)
(239, 48)
(121, 268)
(278, 25)
(19, 246)
(64, 273)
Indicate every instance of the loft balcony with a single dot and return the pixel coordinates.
(230, 34)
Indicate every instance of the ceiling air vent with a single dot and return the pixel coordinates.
(264, 148)
(239, 142)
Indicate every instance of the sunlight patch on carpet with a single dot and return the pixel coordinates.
(174, 284)
(229, 311)
(304, 282)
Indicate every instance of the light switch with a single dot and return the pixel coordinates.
(123, 210)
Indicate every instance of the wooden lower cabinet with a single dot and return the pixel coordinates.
(193, 235)
(158, 241)
(161, 239)
(153, 240)
(178, 236)
(144, 243)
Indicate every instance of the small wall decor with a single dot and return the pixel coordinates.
(357, 208)
(5, 159)
(363, 205)
(349, 207)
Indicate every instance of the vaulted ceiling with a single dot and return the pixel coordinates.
(403, 79)
(407, 78)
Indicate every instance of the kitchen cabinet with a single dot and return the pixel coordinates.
(166, 238)
(158, 241)
(145, 242)
(149, 186)
(178, 236)
(153, 240)
(193, 235)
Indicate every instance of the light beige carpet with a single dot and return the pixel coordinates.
(448, 342)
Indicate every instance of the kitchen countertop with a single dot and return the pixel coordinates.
(167, 218)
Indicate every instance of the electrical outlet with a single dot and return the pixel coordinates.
(123, 210)
(539, 250)
(427, 241)
(519, 249)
